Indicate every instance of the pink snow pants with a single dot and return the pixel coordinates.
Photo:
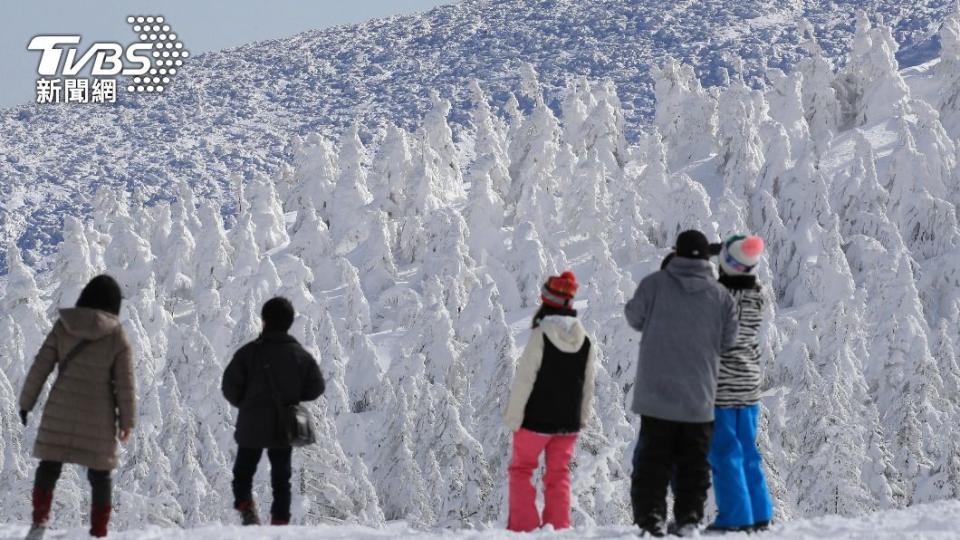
(527, 447)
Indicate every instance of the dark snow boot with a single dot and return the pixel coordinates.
(248, 513)
(99, 519)
(42, 502)
(36, 532)
(651, 528)
(279, 521)
(760, 526)
(715, 530)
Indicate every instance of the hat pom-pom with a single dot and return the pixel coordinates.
(568, 275)
(752, 246)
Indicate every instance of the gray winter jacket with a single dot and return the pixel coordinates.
(688, 319)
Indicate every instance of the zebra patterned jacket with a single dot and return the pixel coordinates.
(739, 380)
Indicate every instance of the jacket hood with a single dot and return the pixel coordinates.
(88, 323)
(565, 332)
(694, 275)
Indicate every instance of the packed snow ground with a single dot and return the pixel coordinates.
(935, 521)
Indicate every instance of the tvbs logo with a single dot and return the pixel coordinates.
(148, 64)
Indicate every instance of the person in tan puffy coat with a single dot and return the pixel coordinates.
(92, 402)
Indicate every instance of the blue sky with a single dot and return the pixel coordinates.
(202, 26)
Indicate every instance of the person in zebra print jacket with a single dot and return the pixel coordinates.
(743, 498)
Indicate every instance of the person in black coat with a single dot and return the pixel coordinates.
(247, 386)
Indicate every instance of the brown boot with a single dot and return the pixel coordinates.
(279, 521)
(99, 518)
(248, 513)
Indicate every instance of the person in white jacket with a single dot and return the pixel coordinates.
(550, 402)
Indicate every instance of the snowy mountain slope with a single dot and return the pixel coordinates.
(416, 261)
(234, 111)
(935, 521)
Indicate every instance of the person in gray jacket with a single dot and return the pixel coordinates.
(688, 319)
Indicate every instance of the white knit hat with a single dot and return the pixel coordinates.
(740, 254)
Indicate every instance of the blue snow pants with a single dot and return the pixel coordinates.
(738, 480)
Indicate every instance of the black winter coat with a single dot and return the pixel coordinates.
(296, 376)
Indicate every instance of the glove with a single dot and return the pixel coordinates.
(23, 417)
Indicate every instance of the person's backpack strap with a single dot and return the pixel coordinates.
(77, 349)
(295, 420)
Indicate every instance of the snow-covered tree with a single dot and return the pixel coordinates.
(315, 176)
(870, 86)
(73, 266)
(686, 114)
(390, 172)
(350, 195)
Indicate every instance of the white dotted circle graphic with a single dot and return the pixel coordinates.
(166, 52)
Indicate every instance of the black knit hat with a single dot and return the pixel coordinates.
(103, 293)
(693, 245)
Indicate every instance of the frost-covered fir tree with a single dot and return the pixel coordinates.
(929, 224)
(675, 202)
(399, 479)
(947, 74)
(820, 101)
(533, 157)
(739, 113)
(870, 86)
(490, 145)
(390, 172)
(176, 261)
(484, 212)
(315, 175)
(350, 195)
(73, 266)
(312, 244)
(128, 256)
(603, 131)
(332, 360)
(212, 263)
(785, 99)
(436, 133)
(374, 257)
(333, 486)
(529, 263)
(266, 213)
(587, 204)
(686, 114)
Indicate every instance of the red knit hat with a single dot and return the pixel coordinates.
(558, 291)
